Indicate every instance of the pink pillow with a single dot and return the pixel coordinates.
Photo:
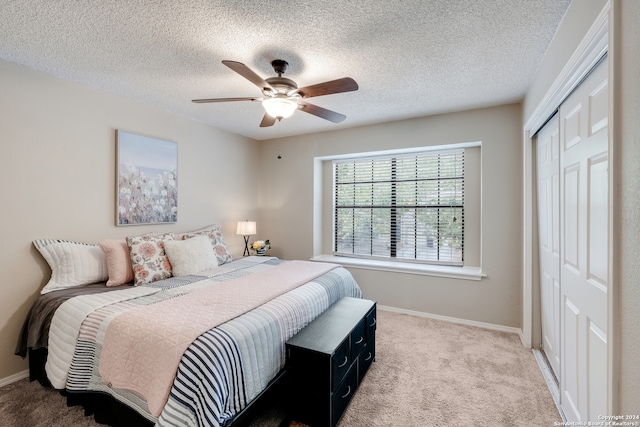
(118, 261)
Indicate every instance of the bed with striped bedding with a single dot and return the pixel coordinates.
(223, 369)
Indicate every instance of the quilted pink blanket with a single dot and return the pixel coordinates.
(143, 347)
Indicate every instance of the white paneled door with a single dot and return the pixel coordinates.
(584, 254)
(548, 173)
(573, 172)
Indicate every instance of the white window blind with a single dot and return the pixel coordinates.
(405, 207)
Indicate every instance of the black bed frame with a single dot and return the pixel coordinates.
(108, 410)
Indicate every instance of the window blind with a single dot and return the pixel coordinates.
(405, 207)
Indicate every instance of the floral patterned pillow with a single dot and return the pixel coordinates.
(214, 232)
(148, 258)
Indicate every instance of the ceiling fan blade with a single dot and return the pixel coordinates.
(203, 101)
(332, 116)
(267, 121)
(345, 84)
(248, 74)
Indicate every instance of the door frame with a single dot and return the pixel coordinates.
(598, 41)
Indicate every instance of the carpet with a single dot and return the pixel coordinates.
(427, 373)
(435, 373)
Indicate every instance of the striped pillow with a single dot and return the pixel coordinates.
(72, 263)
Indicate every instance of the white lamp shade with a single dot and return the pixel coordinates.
(279, 107)
(246, 228)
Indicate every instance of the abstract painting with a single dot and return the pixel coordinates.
(147, 180)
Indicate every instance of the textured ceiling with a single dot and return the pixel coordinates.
(411, 58)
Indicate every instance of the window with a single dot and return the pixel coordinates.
(403, 207)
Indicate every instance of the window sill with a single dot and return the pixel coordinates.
(464, 273)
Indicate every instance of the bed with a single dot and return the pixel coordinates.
(189, 350)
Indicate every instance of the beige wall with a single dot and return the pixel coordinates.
(627, 124)
(57, 167)
(577, 20)
(287, 208)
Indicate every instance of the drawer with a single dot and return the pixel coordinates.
(358, 340)
(343, 395)
(340, 362)
(370, 323)
(366, 358)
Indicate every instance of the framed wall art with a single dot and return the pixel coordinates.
(147, 180)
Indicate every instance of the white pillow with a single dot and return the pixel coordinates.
(214, 232)
(190, 256)
(72, 264)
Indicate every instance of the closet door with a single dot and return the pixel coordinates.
(548, 172)
(584, 251)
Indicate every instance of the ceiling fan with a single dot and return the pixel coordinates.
(282, 96)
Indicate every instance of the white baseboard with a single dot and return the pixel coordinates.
(524, 343)
(453, 319)
(13, 378)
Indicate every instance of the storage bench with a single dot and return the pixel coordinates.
(327, 360)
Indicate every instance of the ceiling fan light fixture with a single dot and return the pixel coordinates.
(282, 97)
(280, 107)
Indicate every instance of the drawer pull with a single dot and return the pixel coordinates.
(348, 392)
(346, 359)
(374, 323)
(360, 340)
(368, 357)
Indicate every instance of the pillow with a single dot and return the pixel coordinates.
(118, 261)
(214, 233)
(148, 258)
(190, 256)
(72, 263)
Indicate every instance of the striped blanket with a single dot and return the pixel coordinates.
(227, 366)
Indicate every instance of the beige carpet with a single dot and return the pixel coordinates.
(427, 373)
(435, 373)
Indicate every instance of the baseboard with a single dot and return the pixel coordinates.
(500, 328)
(522, 340)
(13, 378)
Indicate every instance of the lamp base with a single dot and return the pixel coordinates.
(246, 246)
